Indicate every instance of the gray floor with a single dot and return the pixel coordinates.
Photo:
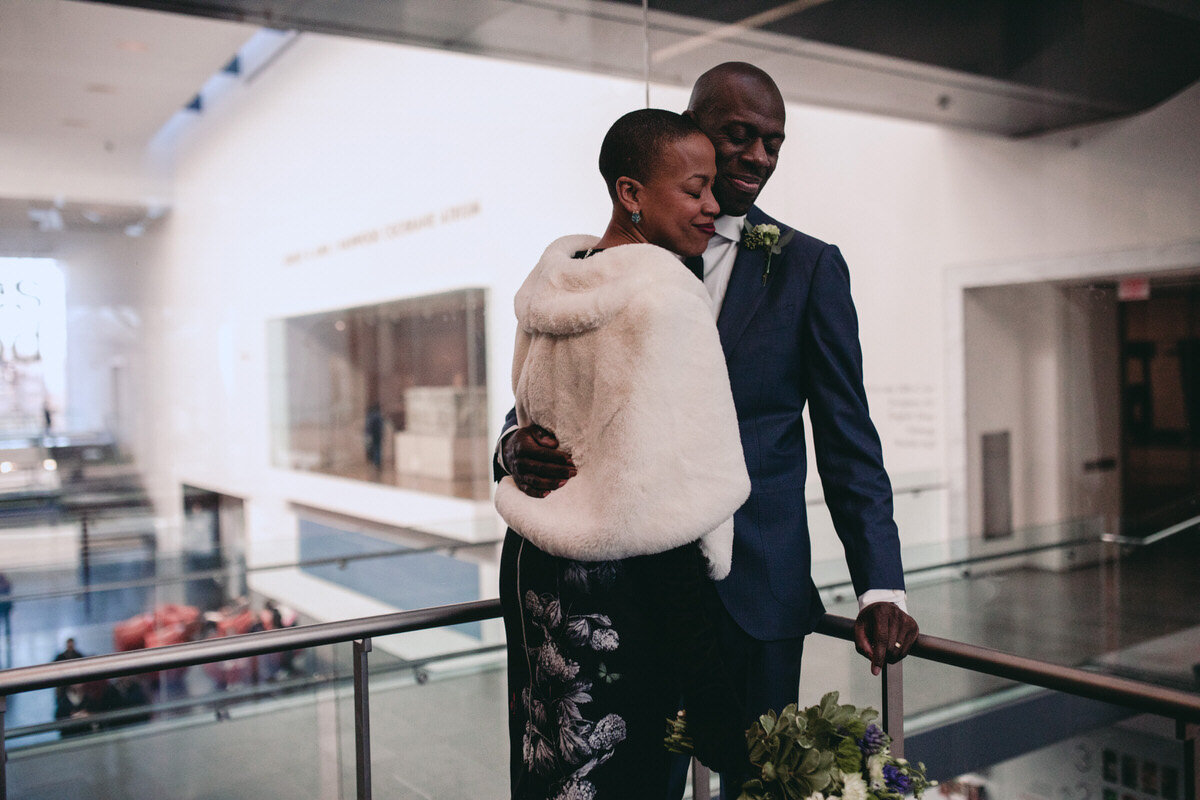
(446, 739)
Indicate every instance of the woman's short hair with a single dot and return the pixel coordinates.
(632, 146)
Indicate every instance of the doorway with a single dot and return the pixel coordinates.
(1160, 406)
(213, 547)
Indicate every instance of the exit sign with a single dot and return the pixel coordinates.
(1133, 289)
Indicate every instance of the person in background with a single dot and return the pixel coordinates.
(373, 436)
(68, 652)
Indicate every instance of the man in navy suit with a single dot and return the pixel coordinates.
(790, 334)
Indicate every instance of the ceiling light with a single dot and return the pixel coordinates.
(92, 216)
(49, 465)
(6, 466)
(135, 230)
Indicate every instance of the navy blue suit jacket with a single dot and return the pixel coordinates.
(790, 342)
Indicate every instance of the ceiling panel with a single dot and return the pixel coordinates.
(1013, 67)
(72, 69)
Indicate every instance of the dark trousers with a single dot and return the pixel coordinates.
(768, 676)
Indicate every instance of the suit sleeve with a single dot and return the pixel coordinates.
(849, 456)
(510, 422)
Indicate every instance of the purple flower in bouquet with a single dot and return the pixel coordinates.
(872, 741)
(896, 780)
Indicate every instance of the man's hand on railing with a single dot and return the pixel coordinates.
(537, 465)
(884, 633)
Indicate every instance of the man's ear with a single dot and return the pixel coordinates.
(629, 194)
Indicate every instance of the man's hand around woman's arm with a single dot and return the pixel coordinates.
(533, 458)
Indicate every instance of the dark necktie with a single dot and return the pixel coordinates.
(696, 265)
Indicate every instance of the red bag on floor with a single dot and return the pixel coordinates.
(131, 633)
(171, 634)
(238, 623)
(173, 614)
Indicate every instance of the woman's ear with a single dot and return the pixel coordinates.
(629, 194)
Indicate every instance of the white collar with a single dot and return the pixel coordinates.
(730, 227)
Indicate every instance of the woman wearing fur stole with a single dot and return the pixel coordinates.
(605, 582)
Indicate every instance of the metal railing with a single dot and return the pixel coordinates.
(1183, 707)
(339, 561)
(1153, 538)
(834, 588)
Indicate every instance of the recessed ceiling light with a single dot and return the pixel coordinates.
(101, 88)
(75, 122)
(133, 46)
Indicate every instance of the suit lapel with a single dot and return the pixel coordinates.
(745, 292)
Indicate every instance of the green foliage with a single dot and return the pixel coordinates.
(847, 756)
(801, 752)
(677, 740)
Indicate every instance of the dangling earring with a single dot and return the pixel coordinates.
(636, 217)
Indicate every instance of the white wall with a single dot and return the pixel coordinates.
(1012, 346)
(341, 137)
(1090, 405)
(88, 171)
(106, 302)
(1041, 362)
(1101, 202)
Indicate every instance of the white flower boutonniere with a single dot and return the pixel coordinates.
(766, 237)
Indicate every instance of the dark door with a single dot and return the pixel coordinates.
(1160, 414)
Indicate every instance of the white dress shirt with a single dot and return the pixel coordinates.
(719, 257)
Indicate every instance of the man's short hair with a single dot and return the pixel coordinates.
(715, 79)
(633, 144)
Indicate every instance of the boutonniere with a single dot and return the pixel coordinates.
(766, 237)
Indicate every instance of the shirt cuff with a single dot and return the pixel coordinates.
(870, 596)
(500, 449)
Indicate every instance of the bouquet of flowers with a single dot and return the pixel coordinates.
(823, 752)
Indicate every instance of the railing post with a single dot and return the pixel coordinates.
(701, 778)
(85, 558)
(3, 751)
(893, 706)
(1110, 565)
(362, 720)
(1189, 732)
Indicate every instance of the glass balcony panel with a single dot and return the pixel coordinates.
(439, 713)
(982, 736)
(1032, 755)
(241, 728)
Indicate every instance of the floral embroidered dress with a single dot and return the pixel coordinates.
(601, 654)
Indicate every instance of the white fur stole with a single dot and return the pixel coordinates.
(619, 356)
